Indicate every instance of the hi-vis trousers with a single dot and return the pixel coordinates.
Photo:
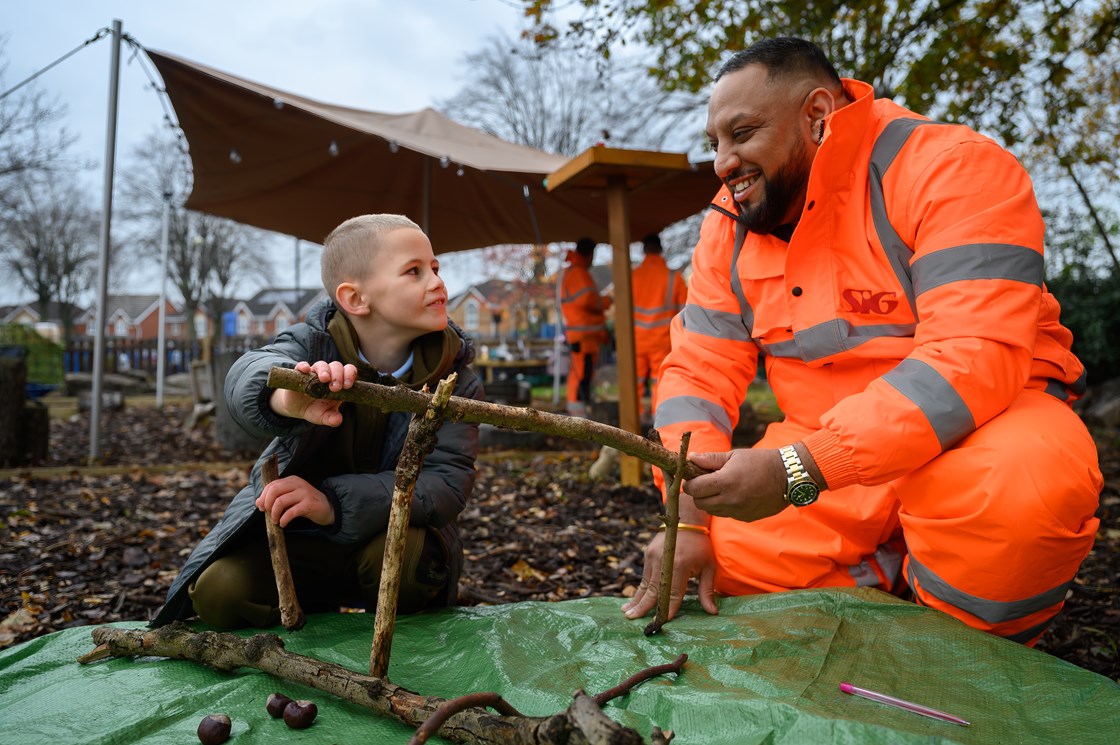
(991, 532)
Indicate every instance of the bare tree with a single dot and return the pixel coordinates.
(50, 242)
(208, 257)
(561, 101)
(32, 140)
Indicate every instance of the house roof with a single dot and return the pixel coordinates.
(501, 292)
(266, 300)
(54, 311)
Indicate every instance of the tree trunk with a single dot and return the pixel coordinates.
(13, 379)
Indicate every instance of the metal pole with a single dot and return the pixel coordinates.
(426, 206)
(103, 263)
(558, 334)
(296, 300)
(162, 344)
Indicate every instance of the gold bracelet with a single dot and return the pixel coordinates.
(702, 529)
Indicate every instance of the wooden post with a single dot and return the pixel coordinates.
(618, 218)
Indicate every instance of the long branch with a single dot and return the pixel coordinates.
(583, 723)
(400, 398)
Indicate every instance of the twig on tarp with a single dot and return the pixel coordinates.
(400, 398)
(669, 547)
(419, 441)
(291, 614)
(453, 706)
(582, 723)
(640, 677)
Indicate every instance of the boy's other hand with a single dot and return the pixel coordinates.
(337, 377)
(283, 500)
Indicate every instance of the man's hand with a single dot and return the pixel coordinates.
(283, 500)
(747, 485)
(296, 405)
(693, 557)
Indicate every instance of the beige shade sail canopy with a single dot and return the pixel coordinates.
(283, 162)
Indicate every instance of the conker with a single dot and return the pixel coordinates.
(276, 704)
(300, 714)
(214, 729)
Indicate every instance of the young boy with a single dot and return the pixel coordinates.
(387, 323)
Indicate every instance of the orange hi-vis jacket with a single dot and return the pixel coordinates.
(659, 294)
(906, 321)
(582, 305)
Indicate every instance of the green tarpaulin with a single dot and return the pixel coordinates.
(766, 670)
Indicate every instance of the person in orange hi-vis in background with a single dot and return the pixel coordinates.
(888, 271)
(659, 294)
(585, 323)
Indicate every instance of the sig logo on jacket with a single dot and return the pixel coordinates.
(867, 301)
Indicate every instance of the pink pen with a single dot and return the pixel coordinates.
(883, 698)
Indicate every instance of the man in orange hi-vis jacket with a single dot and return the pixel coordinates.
(888, 271)
(585, 323)
(659, 294)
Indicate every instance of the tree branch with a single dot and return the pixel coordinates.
(420, 440)
(582, 723)
(399, 398)
(291, 614)
(672, 519)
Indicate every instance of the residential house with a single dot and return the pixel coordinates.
(269, 312)
(48, 325)
(510, 311)
(136, 317)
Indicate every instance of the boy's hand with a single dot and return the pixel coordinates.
(283, 500)
(296, 405)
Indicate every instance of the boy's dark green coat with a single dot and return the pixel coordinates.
(361, 500)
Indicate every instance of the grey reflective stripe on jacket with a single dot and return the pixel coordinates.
(666, 306)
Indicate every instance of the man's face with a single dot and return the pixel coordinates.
(760, 135)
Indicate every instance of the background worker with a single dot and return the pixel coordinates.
(888, 271)
(585, 323)
(659, 294)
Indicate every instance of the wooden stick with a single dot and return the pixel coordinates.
(291, 615)
(669, 548)
(419, 441)
(399, 398)
(582, 722)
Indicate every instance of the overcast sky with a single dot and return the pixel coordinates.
(385, 55)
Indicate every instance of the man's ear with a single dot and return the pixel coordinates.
(349, 299)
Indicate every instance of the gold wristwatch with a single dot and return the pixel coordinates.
(801, 490)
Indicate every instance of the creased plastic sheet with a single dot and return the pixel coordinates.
(766, 670)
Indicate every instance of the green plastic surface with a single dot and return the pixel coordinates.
(766, 670)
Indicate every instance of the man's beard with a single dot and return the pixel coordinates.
(779, 193)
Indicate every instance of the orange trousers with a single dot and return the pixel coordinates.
(648, 362)
(994, 529)
(581, 368)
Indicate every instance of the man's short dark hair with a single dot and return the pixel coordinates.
(783, 56)
(585, 247)
(651, 244)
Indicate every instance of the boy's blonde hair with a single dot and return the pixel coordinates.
(350, 250)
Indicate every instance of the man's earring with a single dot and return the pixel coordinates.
(820, 133)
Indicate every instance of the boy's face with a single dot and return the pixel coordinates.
(404, 288)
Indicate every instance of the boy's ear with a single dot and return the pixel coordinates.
(349, 299)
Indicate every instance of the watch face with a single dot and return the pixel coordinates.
(803, 493)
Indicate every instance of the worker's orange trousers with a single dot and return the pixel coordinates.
(995, 528)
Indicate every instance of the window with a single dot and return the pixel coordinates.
(200, 326)
(282, 322)
(470, 315)
(242, 324)
(120, 327)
